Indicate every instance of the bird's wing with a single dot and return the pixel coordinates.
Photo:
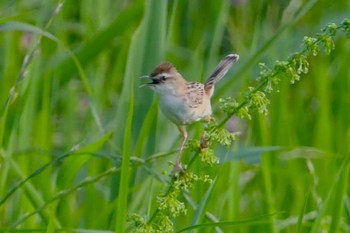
(195, 92)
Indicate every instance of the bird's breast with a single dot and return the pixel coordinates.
(179, 110)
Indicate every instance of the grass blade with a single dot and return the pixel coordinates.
(200, 211)
(125, 168)
(260, 220)
(336, 189)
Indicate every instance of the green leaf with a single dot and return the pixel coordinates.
(99, 42)
(250, 154)
(259, 220)
(200, 210)
(79, 156)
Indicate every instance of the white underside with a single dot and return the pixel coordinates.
(179, 112)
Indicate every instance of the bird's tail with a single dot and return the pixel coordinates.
(220, 71)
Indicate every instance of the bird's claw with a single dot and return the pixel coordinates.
(178, 169)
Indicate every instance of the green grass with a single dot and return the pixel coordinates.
(83, 148)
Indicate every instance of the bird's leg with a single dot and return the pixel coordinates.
(178, 166)
(203, 142)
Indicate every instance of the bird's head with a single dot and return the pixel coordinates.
(165, 79)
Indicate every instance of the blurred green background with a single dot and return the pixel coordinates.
(66, 120)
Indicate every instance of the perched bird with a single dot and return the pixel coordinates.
(185, 102)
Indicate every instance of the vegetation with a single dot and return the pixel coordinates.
(82, 148)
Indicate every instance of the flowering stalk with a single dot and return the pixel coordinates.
(292, 68)
(255, 99)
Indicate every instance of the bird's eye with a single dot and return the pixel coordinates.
(163, 78)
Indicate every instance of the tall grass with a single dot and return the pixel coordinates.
(82, 147)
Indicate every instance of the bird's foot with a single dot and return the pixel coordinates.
(203, 142)
(178, 169)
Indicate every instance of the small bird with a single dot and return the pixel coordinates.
(185, 102)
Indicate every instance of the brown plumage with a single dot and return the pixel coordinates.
(163, 67)
(185, 102)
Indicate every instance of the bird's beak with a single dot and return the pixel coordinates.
(154, 80)
(144, 77)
